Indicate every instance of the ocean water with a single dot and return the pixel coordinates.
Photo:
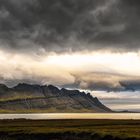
(47, 116)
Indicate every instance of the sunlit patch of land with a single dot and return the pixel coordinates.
(70, 129)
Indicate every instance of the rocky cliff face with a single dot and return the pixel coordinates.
(36, 98)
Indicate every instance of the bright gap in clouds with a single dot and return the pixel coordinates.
(59, 68)
(125, 63)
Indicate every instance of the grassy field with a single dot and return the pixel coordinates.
(70, 129)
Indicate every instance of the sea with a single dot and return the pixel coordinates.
(50, 116)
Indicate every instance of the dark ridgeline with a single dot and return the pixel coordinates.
(36, 98)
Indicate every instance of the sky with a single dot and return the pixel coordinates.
(91, 45)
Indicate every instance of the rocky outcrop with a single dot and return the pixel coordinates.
(36, 98)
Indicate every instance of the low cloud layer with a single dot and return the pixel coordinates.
(93, 71)
(106, 82)
(69, 25)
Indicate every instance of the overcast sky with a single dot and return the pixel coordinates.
(86, 44)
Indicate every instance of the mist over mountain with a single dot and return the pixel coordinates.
(36, 98)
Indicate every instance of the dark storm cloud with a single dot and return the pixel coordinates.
(65, 25)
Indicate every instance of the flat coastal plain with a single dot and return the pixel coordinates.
(87, 129)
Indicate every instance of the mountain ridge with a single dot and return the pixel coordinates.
(47, 98)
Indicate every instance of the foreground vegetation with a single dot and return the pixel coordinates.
(70, 129)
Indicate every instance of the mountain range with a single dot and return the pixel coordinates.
(26, 98)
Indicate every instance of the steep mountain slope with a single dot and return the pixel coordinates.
(36, 98)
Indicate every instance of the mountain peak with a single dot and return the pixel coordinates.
(3, 86)
(26, 97)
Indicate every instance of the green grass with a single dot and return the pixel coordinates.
(18, 97)
(115, 128)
